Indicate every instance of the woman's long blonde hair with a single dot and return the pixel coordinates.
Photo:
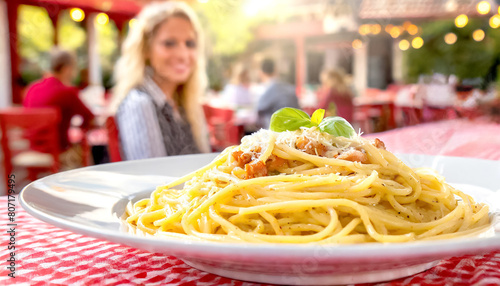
(130, 69)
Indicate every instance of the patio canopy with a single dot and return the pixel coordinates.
(116, 8)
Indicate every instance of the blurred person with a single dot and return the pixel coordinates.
(56, 91)
(160, 78)
(237, 93)
(335, 96)
(277, 94)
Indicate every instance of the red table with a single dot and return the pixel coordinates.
(48, 255)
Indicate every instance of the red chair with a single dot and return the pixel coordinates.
(223, 132)
(30, 140)
(374, 111)
(114, 149)
(408, 115)
(431, 113)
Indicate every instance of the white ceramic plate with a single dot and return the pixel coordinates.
(91, 200)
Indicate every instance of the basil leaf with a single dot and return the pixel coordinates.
(317, 116)
(289, 119)
(337, 126)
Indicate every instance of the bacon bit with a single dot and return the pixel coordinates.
(275, 163)
(255, 169)
(354, 156)
(310, 147)
(379, 143)
(241, 157)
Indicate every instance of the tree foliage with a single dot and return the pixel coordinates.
(71, 35)
(466, 58)
(228, 29)
(36, 39)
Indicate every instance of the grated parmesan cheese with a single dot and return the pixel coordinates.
(334, 145)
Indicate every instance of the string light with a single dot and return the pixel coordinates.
(364, 29)
(77, 14)
(102, 19)
(450, 38)
(395, 32)
(417, 43)
(483, 7)
(375, 29)
(412, 29)
(388, 28)
(495, 21)
(357, 44)
(478, 35)
(404, 45)
(132, 23)
(461, 21)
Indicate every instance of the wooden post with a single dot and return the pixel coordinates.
(94, 67)
(300, 65)
(360, 70)
(54, 18)
(12, 13)
(5, 69)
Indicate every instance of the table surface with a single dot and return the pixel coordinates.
(49, 255)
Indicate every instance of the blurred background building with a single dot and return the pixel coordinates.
(375, 42)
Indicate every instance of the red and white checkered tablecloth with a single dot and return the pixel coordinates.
(47, 255)
(458, 137)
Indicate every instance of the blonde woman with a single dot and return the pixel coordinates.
(159, 81)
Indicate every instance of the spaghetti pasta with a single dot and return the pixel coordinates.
(307, 186)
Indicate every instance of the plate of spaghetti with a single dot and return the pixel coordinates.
(307, 202)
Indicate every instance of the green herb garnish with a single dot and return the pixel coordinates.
(290, 119)
(337, 126)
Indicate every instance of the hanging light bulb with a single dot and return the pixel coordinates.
(357, 44)
(404, 45)
(375, 29)
(77, 14)
(407, 24)
(417, 43)
(495, 21)
(478, 35)
(388, 28)
(132, 23)
(395, 32)
(461, 21)
(412, 29)
(450, 38)
(102, 19)
(483, 7)
(364, 29)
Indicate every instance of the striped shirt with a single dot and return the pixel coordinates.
(148, 127)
